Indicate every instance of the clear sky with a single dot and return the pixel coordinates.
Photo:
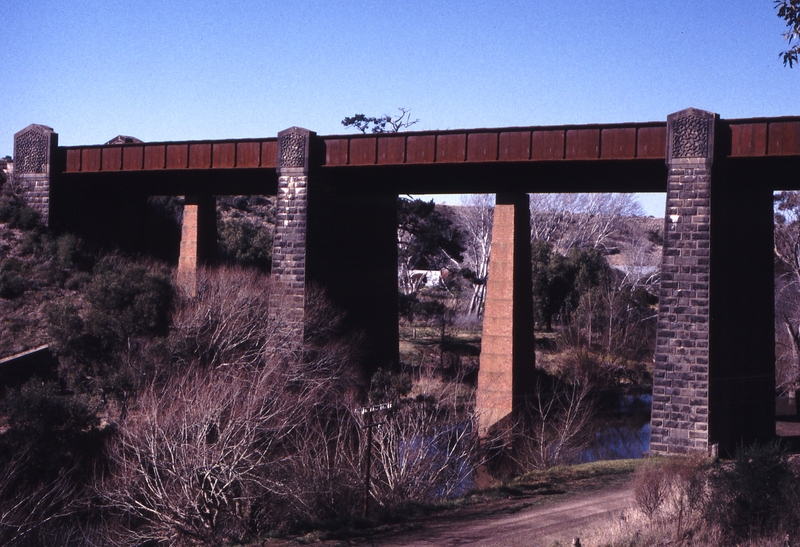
(180, 69)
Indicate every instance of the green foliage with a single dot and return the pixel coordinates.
(428, 240)
(128, 299)
(66, 252)
(55, 427)
(49, 448)
(124, 305)
(25, 219)
(385, 386)
(13, 209)
(245, 242)
(12, 280)
(380, 124)
(559, 281)
(789, 11)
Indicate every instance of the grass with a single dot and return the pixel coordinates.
(460, 347)
(565, 480)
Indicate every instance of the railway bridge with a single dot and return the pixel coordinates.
(714, 378)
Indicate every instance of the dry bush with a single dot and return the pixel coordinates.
(41, 511)
(554, 426)
(427, 448)
(229, 321)
(670, 498)
(674, 491)
(689, 501)
(207, 455)
(650, 490)
(250, 432)
(756, 494)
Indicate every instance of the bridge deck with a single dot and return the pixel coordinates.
(628, 141)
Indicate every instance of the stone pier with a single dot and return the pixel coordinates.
(714, 377)
(34, 152)
(289, 245)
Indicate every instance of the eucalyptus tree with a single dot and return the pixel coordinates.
(789, 11)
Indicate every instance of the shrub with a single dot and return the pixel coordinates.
(244, 242)
(53, 423)
(122, 300)
(25, 218)
(758, 493)
(11, 285)
(553, 427)
(228, 321)
(12, 280)
(250, 436)
(13, 209)
(129, 298)
(426, 448)
(674, 491)
(388, 386)
(650, 489)
(753, 500)
(108, 337)
(49, 448)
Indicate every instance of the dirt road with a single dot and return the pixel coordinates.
(507, 523)
(522, 523)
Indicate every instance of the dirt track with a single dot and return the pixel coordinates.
(523, 522)
(518, 523)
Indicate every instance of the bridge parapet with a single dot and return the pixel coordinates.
(513, 144)
(228, 154)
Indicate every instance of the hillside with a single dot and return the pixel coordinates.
(36, 269)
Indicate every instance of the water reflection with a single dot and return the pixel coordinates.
(622, 429)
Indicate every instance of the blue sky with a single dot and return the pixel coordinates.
(176, 70)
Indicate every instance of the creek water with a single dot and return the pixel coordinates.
(621, 428)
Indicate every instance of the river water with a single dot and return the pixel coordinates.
(622, 428)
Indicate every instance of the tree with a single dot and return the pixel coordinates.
(560, 282)
(580, 220)
(787, 289)
(381, 124)
(475, 218)
(426, 240)
(789, 11)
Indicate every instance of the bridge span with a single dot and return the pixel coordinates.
(714, 375)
